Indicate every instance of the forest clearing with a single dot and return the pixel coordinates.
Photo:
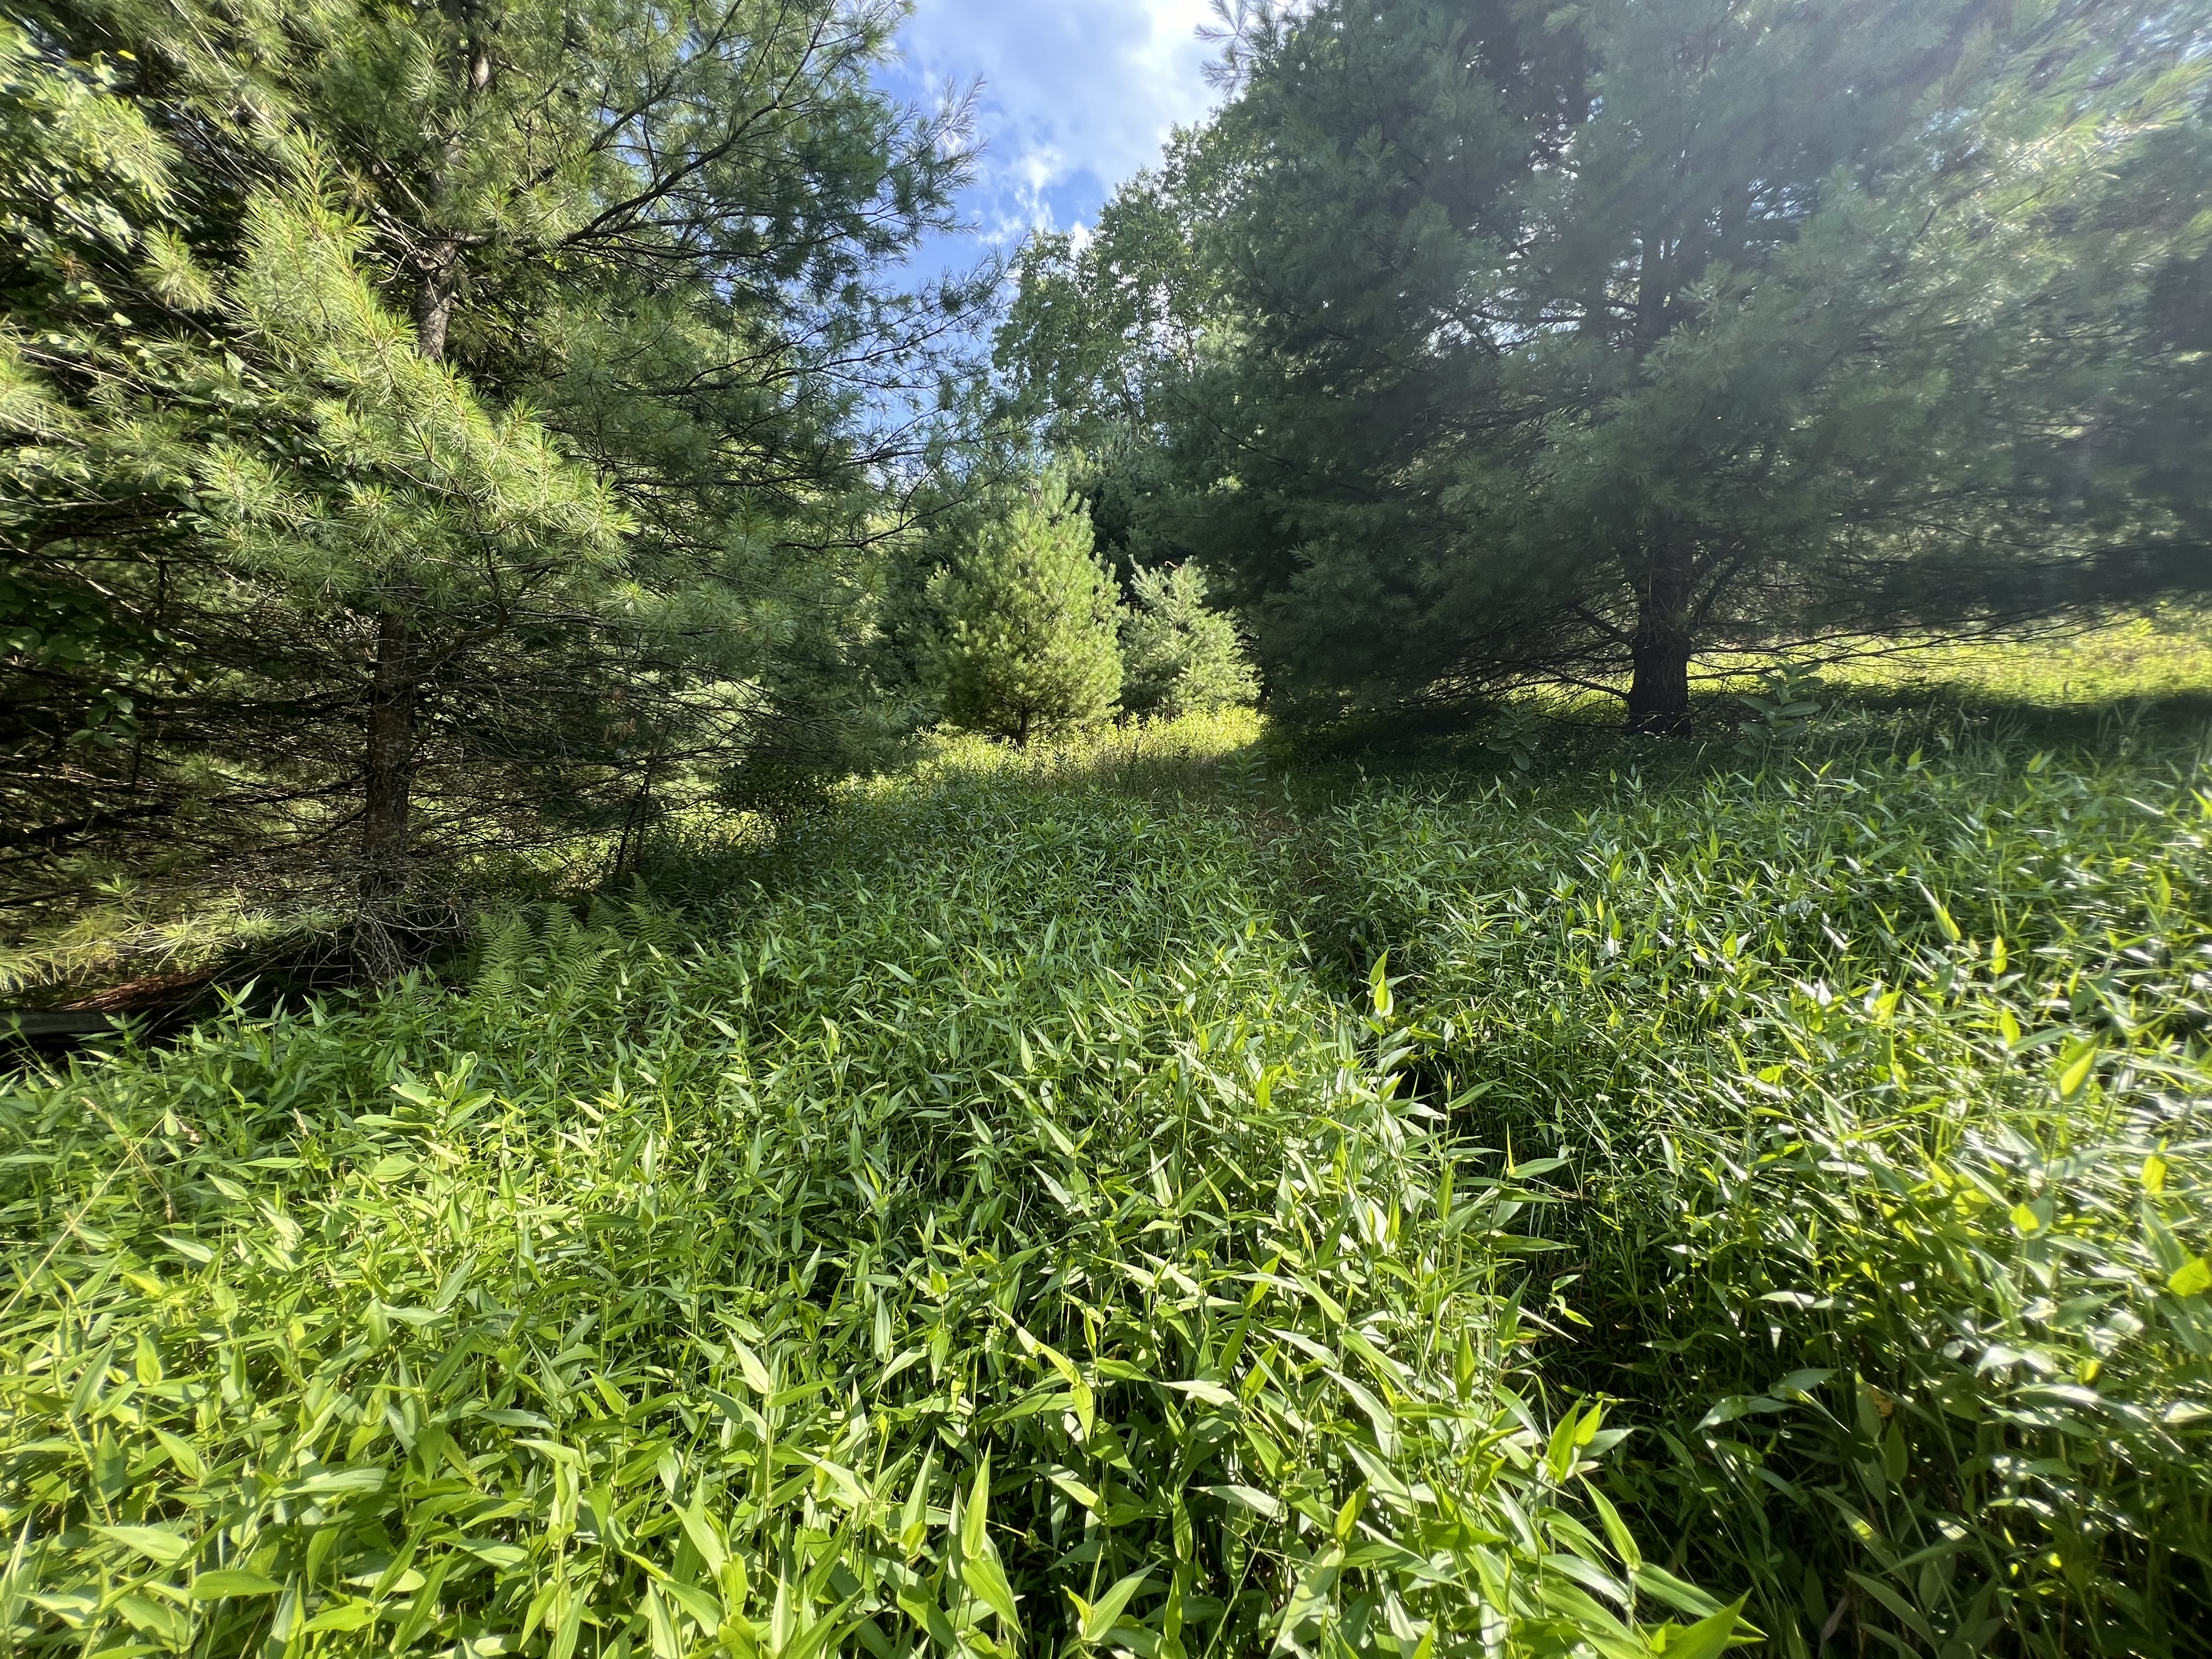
(1118, 1197)
(1122, 829)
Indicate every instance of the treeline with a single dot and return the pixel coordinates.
(433, 428)
(1480, 341)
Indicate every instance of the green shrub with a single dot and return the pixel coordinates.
(1025, 641)
(1180, 656)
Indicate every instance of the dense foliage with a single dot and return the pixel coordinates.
(996, 1239)
(441, 427)
(1179, 655)
(1147, 1191)
(1478, 344)
(1023, 620)
(1883, 1081)
(1028, 1217)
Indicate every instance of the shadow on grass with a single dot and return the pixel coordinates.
(1555, 742)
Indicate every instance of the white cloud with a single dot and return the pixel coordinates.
(1077, 95)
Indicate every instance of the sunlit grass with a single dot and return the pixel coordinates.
(1185, 753)
(1883, 1079)
(1070, 1200)
(987, 1236)
(2163, 655)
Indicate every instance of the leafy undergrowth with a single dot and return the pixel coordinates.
(1883, 1077)
(991, 1239)
(1045, 1206)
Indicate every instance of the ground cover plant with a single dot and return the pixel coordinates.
(1881, 1075)
(1445, 896)
(995, 1241)
(1130, 1195)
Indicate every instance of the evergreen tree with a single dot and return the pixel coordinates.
(1025, 637)
(1693, 352)
(1572, 343)
(1179, 656)
(428, 428)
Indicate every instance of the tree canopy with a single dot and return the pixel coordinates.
(1478, 343)
(427, 427)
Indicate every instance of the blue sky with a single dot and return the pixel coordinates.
(1077, 95)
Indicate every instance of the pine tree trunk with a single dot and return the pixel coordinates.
(1659, 686)
(396, 685)
(395, 692)
(388, 795)
(433, 302)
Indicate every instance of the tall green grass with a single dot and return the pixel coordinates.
(1074, 1202)
(1882, 1081)
(980, 1234)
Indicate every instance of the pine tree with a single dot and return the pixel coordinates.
(1179, 656)
(1025, 641)
(430, 429)
(1702, 355)
(1577, 343)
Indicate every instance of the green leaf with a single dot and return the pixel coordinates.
(165, 1622)
(756, 1374)
(422, 1610)
(1209, 1394)
(1378, 1415)
(336, 1483)
(2073, 1071)
(983, 1574)
(181, 1453)
(2192, 1277)
(914, 1519)
(830, 1627)
(660, 1626)
(1311, 1594)
(1661, 1585)
(159, 1543)
(1943, 922)
(1897, 1604)
(974, 1535)
(1705, 1639)
(345, 1616)
(701, 1531)
(699, 1603)
(1250, 1497)
(1098, 1620)
(224, 1581)
(1616, 1529)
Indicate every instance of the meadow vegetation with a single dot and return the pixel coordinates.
(1447, 898)
(1153, 1195)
